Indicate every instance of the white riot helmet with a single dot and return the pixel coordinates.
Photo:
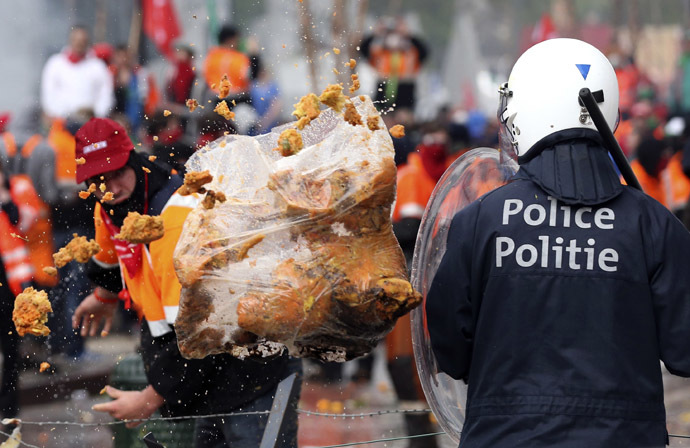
(541, 95)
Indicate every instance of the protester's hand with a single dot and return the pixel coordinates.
(90, 313)
(131, 405)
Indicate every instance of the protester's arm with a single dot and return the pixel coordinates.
(106, 276)
(104, 268)
(131, 405)
(670, 286)
(173, 377)
(448, 307)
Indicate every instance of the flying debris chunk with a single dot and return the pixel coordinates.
(224, 89)
(194, 182)
(397, 131)
(223, 110)
(289, 143)
(192, 104)
(141, 229)
(332, 96)
(30, 314)
(79, 249)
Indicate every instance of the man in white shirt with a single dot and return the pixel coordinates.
(76, 79)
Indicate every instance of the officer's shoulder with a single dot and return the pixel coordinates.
(647, 205)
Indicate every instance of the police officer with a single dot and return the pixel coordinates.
(560, 292)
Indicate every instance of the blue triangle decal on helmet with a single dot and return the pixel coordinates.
(584, 69)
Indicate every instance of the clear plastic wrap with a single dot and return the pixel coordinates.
(302, 252)
(472, 175)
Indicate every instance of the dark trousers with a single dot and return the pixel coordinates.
(246, 431)
(72, 288)
(9, 344)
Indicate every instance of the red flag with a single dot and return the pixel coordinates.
(544, 30)
(160, 24)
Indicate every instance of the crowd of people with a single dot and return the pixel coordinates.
(100, 93)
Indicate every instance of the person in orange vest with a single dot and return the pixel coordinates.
(397, 57)
(227, 59)
(34, 224)
(415, 183)
(675, 181)
(143, 275)
(676, 185)
(651, 158)
(15, 275)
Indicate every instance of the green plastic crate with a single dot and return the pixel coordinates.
(129, 375)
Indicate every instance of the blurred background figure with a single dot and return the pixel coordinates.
(70, 215)
(397, 58)
(16, 273)
(181, 78)
(75, 78)
(265, 97)
(227, 59)
(136, 93)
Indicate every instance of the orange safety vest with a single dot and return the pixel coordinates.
(154, 289)
(153, 98)
(222, 61)
(16, 158)
(34, 222)
(653, 187)
(676, 184)
(414, 189)
(402, 64)
(34, 225)
(14, 255)
(64, 145)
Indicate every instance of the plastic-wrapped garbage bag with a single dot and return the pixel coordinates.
(302, 252)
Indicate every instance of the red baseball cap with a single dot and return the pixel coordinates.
(104, 145)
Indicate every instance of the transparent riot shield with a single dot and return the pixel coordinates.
(473, 174)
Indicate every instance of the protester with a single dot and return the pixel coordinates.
(227, 59)
(181, 77)
(560, 292)
(15, 274)
(416, 182)
(70, 215)
(29, 160)
(144, 276)
(651, 158)
(75, 79)
(136, 93)
(265, 97)
(397, 57)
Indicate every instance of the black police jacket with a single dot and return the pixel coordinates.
(557, 314)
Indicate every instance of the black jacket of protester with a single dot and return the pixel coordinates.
(219, 383)
(557, 297)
